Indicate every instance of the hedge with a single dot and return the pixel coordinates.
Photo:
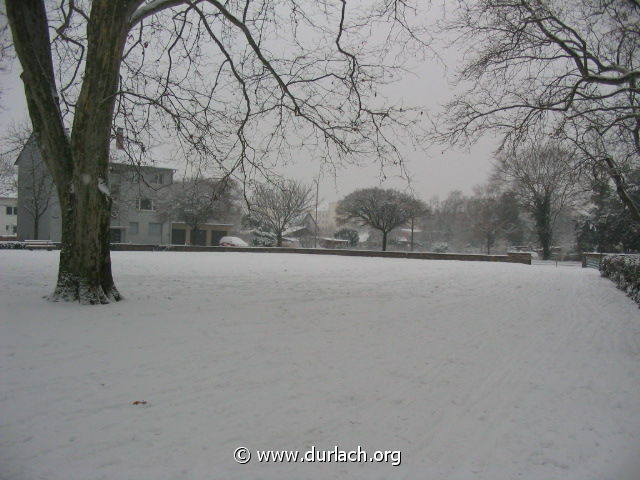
(12, 245)
(624, 271)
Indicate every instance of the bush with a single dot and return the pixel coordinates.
(440, 248)
(263, 239)
(624, 271)
(348, 234)
(12, 245)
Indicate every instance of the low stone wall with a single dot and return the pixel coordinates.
(515, 257)
(592, 260)
(511, 257)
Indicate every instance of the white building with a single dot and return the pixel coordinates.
(135, 190)
(8, 216)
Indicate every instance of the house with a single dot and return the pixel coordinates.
(333, 243)
(404, 236)
(8, 218)
(298, 236)
(136, 192)
(207, 234)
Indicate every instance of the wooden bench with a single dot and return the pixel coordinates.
(39, 245)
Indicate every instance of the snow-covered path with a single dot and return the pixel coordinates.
(471, 370)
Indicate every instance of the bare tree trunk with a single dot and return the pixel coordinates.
(544, 228)
(80, 163)
(384, 241)
(278, 239)
(36, 224)
(618, 179)
(412, 234)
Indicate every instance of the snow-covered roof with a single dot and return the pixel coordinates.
(291, 230)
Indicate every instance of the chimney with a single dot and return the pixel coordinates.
(119, 138)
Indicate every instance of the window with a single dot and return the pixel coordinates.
(156, 178)
(12, 210)
(145, 204)
(133, 228)
(155, 229)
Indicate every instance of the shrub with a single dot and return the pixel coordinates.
(624, 271)
(12, 245)
(348, 234)
(440, 248)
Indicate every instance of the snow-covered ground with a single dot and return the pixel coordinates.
(472, 370)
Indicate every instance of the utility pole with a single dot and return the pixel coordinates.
(315, 237)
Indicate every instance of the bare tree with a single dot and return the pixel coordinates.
(12, 143)
(241, 83)
(381, 209)
(417, 209)
(198, 200)
(493, 215)
(544, 182)
(6, 54)
(36, 186)
(567, 68)
(7, 176)
(278, 205)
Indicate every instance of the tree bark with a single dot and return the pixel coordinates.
(384, 241)
(412, 234)
(544, 228)
(79, 163)
(621, 190)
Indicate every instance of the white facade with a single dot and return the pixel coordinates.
(8, 216)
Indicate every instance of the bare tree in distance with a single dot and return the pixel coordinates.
(195, 201)
(11, 145)
(416, 209)
(278, 205)
(37, 189)
(378, 208)
(542, 178)
(236, 83)
(493, 214)
(565, 68)
(7, 176)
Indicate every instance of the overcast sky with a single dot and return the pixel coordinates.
(435, 172)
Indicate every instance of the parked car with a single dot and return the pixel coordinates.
(232, 242)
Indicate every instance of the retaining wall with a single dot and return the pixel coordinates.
(515, 257)
(512, 257)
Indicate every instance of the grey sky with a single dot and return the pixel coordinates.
(436, 171)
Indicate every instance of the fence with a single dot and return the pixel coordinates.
(592, 260)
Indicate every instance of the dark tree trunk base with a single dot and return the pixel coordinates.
(71, 288)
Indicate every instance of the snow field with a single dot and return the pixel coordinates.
(472, 370)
